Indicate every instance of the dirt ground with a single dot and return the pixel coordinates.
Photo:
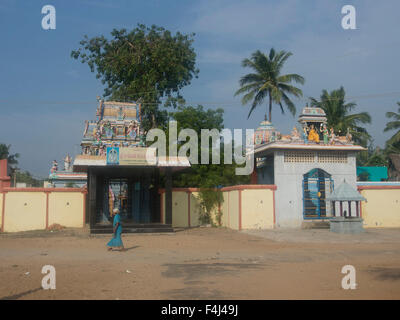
(202, 263)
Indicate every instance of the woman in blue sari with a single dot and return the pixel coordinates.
(116, 240)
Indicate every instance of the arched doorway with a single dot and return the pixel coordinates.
(317, 184)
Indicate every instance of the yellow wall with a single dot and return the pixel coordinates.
(24, 211)
(195, 209)
(257, 209)
(179, 209)
(382, 209)
(233, 209)
(66, 209)
(1, 209)
(225, 210)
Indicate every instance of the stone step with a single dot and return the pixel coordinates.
(315, 224)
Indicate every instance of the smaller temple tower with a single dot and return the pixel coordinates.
(305, 167)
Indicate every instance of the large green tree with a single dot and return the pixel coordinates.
(340, 118)
(147, 64)
(267, 82)
(205, 175)
(393, 125)
(392, 147)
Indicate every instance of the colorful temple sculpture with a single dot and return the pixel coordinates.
(305, 166)
(66, 178)
(121, 172)
(117, 125)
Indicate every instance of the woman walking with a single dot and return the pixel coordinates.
(116, 240)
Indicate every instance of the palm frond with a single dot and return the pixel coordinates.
(291, 77)
(392, 125)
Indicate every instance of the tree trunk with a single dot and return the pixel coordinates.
(270, 108)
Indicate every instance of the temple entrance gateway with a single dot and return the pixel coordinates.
(131, 197)
(123, 174)
(317, 185)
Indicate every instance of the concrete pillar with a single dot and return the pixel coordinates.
(5, 181)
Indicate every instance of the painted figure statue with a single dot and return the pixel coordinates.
(332, 136)
(325, 133)
(121, 114)
(313, 135)
(295, 134)
(348, 136)
(108, 130)
(111, 199)
(54, 167)
(67, 163)
(305, 134)
(132, 130)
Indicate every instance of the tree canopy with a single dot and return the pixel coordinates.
(5, 154)
(393, 125)
(340, 118)
(266, 81)
(205, 175)
(146, 64)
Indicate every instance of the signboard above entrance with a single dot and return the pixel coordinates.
(131, 156)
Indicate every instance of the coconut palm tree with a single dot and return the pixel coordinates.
(266, 81)
(393, 125)
(339, 116)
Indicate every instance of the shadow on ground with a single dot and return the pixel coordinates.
(20, 295)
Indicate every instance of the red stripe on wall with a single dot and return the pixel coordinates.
(376, 187)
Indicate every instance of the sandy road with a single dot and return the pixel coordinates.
(202, 263)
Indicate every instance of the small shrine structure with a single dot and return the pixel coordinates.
(122, 173)
(66, 177)
(346, 218)
(305, 166)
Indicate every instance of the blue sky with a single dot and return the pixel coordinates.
(45, 95)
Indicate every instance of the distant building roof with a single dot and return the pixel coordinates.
(373, 173)
(263, 149)
(345, 192)
(312, 114)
